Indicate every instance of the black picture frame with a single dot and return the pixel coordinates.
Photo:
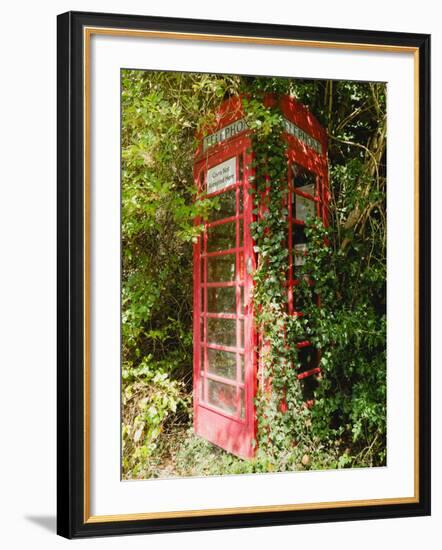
(72, 520)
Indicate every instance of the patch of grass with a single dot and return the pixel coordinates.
(184, 454)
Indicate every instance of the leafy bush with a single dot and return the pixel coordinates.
(149, 398)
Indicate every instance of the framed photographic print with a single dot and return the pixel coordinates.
(243, 274)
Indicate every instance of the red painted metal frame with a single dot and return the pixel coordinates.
(233, 430)
(300, 154)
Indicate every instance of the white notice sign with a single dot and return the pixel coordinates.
(221, 175)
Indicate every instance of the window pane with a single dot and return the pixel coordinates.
(221, 237)
(307, 358)
(298, 234)
(242, 404)
(221, 331)
(225, 205)
(299, 251)
(222, 396)
(302, 177)
(299, 247)
(222, 363)
(241, 365)
(308, 189)
(305, 208)
(222, 299)
(221, 268)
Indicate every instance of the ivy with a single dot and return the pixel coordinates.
(281, 417)
(349, 408)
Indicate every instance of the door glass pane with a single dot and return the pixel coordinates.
(201, 389)
(241, 366)
(222, 396)
(221, 331)
(241, 266)
(242, 403)
(305, 208)
(222, 363)
(221, 268)
(221, 237)
(224, 205)
(202, 299)
(241, 232)
(202, 269)
(202, 360)
(221, 299)
(241, 338)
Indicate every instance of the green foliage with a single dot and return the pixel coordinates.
(161, 113)
(350, 331)
(348, 266)
(149, 398)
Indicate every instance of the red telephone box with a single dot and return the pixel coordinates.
(225, 358)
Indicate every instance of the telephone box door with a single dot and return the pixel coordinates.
(224, 362)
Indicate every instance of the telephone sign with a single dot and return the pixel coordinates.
(297, 132)
(227, 132)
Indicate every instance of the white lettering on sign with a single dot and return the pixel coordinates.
(241, 125)
(221, 175)
(295, 131)
(225, 133)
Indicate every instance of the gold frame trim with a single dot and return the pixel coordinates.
(87, 34)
